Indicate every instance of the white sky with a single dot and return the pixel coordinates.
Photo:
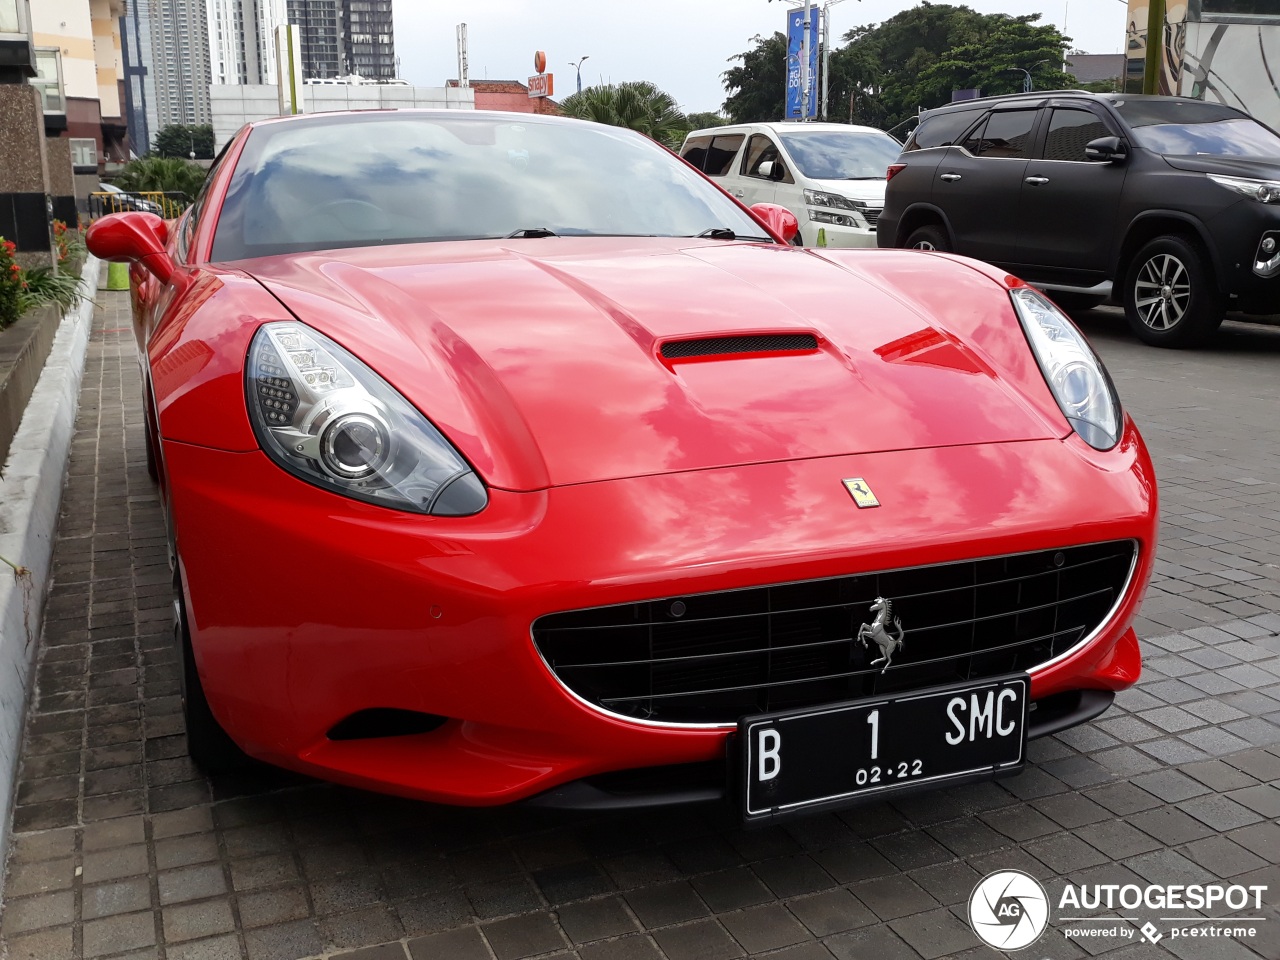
(681, 45)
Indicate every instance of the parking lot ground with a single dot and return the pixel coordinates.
(122, 849)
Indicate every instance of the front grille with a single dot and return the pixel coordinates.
(714, 657)
(723, 346)
(872, 214)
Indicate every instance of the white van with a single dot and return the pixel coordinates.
(830, 175)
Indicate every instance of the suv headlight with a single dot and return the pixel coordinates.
(327, 418)
(1076, 377)
(1264, 191)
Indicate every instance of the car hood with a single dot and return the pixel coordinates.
(1228, 166)
(542, 359)
(868, 191)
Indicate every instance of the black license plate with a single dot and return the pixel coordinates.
(833, 755)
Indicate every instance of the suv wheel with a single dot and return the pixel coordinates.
(1170, 297)
(929, 237)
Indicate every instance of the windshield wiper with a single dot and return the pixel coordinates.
(531, 232)
(718, 233)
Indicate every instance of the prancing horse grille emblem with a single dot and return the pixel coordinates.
(880, 631)
(861, 492)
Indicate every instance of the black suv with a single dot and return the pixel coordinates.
(1169, 205)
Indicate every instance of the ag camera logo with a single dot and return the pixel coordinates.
(1008, 910)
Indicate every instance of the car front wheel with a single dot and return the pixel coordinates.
(929, 237)
(207, 743)
(1170, 297)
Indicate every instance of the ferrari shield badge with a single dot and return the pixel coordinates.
(860, 492)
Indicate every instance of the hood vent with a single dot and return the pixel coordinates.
(737, 346)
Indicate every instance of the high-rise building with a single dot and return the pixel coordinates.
(242, 40)
(368, 39)
(166, 66)
(319, 23)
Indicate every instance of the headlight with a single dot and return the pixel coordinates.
(1076, 377)
(825, 216)
(1264, 191)
(820, 198)
(324, 416)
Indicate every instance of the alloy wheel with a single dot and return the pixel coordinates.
(923, 245)
(1162, 292)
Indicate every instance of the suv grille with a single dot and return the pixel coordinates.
(872, 215)
(714, 657)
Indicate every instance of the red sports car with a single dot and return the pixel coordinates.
(507, 458)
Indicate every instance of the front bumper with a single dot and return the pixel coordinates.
(836, 235)
(307, 608)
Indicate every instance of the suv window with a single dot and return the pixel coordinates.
(1006, 134)
(759, 149)
(1069, 131)
(941, 130)
(695, 151)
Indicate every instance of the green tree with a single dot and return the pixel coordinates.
(167, 174)
(179, 139)
(704, 119)
(885, 73)
(635, 104)
(757, 86)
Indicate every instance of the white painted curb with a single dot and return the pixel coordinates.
(30, 498)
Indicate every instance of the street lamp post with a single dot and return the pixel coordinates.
(1027, 85)
(578, 66)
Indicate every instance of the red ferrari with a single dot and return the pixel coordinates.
(507, 458)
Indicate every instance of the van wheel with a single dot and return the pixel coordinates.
(207, 743)
(929, 237)
(1170, 296)
(797, 240)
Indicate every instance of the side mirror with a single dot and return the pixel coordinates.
(1106, 150)
(765, 169)
(778, 219)
(132, 237)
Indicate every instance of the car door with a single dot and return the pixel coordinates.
(979, 183)
(1069, 204)
(755, 186)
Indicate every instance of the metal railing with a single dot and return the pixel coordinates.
(164, 204)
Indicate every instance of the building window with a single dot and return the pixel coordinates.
(48, 80)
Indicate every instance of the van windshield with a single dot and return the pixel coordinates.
(841, 154)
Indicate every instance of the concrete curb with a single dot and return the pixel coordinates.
(30, 498)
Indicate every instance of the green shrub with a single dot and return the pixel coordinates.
(44, 286)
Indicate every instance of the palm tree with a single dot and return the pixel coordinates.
(164, 174)
(637, 105)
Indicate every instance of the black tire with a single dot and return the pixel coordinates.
(207, 743)
(929, 237)
(1076, 301)
(148, 438)
(1171, 297)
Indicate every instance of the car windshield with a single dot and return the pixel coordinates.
(842, 154)
(1181, 128)
(348, 181)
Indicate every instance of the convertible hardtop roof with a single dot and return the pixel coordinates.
(341, 116)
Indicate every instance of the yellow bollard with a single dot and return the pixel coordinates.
(117, 276)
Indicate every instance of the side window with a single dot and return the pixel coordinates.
(723, 149)
(1006, 134)
(187, 231)
(695, 151)
(940, 131)
(761, 149)
(1069, 131)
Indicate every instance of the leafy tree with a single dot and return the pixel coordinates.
(179, 139)
(757, 86)
(635, 104)
(704, 119)
(167, 174)
(885, 73)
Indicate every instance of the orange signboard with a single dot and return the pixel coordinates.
(542, 85)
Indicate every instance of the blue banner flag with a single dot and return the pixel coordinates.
(795, 31)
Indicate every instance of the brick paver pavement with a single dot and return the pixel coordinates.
(121, 849)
